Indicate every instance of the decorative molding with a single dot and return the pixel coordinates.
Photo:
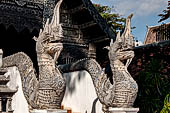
(25, 3)
(99, 39)
(21, 14)
(88, 24)
(77, 9)
(66, 25)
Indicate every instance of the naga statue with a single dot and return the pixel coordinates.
(122, 91)
(49, 90)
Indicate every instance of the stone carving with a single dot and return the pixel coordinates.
(123, 91)
(48, 92)
(121, 52)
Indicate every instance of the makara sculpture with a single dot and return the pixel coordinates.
(123, 91)
(48, 92)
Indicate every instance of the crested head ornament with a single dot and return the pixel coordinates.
(52, 31)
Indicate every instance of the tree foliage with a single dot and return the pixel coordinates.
(166, 14)
(153, 87)
(115, 21)
(166, 107)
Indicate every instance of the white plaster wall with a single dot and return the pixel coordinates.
(19, 103)
(80, 94)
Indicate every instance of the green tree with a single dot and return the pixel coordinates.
(153, 87)
(166, 14)
(115, 21)
(166, 107)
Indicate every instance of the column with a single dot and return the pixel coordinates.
(92, 50)
(8, 105)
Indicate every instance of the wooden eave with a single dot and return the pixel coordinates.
(89, 21)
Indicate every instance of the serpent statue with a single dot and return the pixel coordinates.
(48, 91)
(122, 91)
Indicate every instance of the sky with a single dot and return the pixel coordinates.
(145, 13)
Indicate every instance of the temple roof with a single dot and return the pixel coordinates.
(157, 33)
(79, 18)
(88, 17)
(84, 17)
(21, 13)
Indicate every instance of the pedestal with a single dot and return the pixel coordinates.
(123, 110)
(49, 111)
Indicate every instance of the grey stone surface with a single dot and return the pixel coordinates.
(123, 110)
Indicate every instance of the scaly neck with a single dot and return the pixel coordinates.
(91, 66)
(46, 66)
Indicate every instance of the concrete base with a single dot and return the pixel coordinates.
(49, 111)
(123, 110)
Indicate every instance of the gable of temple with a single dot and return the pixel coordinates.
(83, 26)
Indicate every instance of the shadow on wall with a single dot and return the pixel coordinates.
(80, 93)
(72, 81)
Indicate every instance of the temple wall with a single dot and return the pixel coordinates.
(19, 103)
(80, 94)
(144, 54)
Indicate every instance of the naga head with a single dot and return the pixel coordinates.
(123, 42)
(49, 40)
